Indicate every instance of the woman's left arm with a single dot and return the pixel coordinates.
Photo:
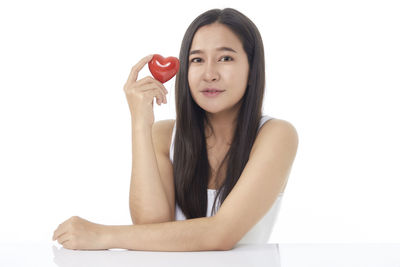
(198, 234)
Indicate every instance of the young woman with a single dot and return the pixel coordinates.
(214, 177)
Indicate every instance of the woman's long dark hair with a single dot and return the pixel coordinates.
(191, 167)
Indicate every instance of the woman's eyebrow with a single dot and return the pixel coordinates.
(224, 48)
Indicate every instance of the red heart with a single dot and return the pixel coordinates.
(163, 69)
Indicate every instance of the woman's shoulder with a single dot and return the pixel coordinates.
(275, 130)
(162, 132)
(277, 123)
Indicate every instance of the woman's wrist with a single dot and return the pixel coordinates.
(114, 236)
(138, 126)
(106, 236)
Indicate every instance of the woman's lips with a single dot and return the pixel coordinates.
(212, 93)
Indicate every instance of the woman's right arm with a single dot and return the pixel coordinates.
(148, 202)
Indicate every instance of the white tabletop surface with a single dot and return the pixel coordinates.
(271, 255)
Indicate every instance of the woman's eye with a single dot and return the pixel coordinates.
(227, 57)
(194, 59)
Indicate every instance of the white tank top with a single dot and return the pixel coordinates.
(260, 232)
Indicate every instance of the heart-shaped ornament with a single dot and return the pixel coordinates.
(163, 69)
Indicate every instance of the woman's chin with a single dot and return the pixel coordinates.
(212, 110)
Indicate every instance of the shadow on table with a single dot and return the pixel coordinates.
(241, 255)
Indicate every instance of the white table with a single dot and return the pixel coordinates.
(271, 255)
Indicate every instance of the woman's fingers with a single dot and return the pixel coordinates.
(162, 88)
(155, 92)
(158, 92)
(135, 69)
(59, 231)
(62, 238)
(149, 79)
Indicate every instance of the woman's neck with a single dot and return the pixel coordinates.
(223, 126)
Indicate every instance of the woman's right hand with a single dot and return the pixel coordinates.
(140, 94)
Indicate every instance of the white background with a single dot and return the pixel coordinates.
(332, 70)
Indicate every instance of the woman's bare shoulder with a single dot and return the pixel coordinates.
(162, 132)
(274, 123)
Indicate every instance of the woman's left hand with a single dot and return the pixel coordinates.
(78, 233)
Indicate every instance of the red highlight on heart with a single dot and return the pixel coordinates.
(163, 69)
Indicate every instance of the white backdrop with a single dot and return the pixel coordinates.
(332, 70)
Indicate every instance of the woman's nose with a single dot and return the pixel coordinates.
(211, 72)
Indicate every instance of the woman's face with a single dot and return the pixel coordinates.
(217, 60)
